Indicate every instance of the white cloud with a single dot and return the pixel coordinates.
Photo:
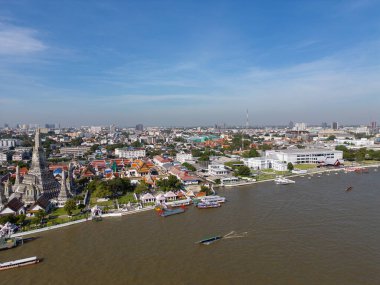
(19, 41)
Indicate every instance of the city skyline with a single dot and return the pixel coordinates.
(168, 63)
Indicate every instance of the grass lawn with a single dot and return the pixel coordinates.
(305, 166)
(369, 162)
(109, 203)
(264, 176)
(127, 198)
(231, 163)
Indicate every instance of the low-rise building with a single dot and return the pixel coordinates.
(130, 153)
(184, 157)
(217, 169)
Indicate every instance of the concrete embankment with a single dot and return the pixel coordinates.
(114, 214)
(318, 171)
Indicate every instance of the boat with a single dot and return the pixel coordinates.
(207, 241)
(213, 198)
(283, 181)
(179, 203)
(205, 205)
(168, 212)
(349, 189)
(19, 263)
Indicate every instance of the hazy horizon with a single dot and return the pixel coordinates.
(189, 63)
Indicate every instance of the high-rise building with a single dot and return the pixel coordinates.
(324, 125)
(300, 127)
(139, 127)
(334, 125)
(291, 125)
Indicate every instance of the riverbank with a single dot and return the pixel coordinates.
(113, 214)
(317, 171)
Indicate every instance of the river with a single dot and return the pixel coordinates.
(311, 232)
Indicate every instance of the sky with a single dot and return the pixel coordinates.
(186, 63)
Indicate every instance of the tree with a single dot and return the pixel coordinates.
(217, 181)
(76, 141)
(70, 206)
(102, 190)
(206, 189)
(141, 187)
(40, 215)
(251, 153)
(94, 148)
(290, 166)
(244, 170)
(172, 182)
(331, 138)
(189, 166)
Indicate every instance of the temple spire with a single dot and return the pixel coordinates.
(64, 193)
(37, 140)
(3, 199)
(17, 181)
(8, 189)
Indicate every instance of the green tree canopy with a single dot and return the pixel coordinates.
(141, 187)
(189, 166)
(171, 183)
(243, 171)
(70, 206)
(251, 153)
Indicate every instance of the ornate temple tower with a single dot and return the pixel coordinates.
(18, 179)
(39, 180)
(64, 193)
(8, 189)
(3, 199)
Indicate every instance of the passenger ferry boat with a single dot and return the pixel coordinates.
(205, 205)
(179, 203)
(19, 263)
(213, 198)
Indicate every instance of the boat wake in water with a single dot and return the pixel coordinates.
(234, 234)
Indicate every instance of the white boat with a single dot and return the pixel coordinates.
(179, 203)
(213, 198)
(19, 263)
(283, 181)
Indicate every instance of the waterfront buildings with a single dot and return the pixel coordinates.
(301, 156)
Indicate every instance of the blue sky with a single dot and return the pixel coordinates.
(189, 62)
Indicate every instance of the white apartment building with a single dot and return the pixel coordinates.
(217, 169)
(256, 163)
(364, 142)
(184, 157)
(9, 142)
(130, 152)
(75, 151)
(3, 157)
(299, 156)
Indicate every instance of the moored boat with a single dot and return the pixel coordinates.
(19, 263)
(168, 212)
(213, 198)
(179, 203)
(205, 205)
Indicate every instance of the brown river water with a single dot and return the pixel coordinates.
(311, 232)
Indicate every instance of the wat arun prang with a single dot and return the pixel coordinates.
(39, 181)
